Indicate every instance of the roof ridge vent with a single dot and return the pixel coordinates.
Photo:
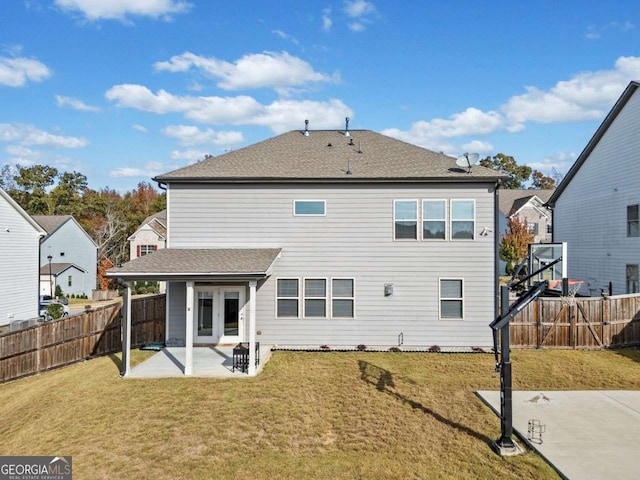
(306, 128)
(346, 128)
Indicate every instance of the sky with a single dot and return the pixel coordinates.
(123, 90)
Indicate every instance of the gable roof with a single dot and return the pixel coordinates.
(329, 156)
(157, 222)
(51, 223)
(510, 201)
(602, 129)
(58, 268)
(22, 212)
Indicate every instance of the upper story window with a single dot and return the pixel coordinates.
(549, 228)
(405, 219)
(532, 228)
(434, 219)
(633, 221)
(309, 208)
(146, 249)
(463, 219)
(451, 299)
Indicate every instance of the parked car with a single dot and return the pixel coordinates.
(44, 303)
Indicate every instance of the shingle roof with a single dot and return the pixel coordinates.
(510, 201)
(50, 223)
(172, 262)
(57, 268)
(328, 155)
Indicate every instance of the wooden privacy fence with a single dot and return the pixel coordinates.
(592, 322)
(72, 339)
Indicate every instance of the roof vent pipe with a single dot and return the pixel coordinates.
(306, 128)
(346, 128)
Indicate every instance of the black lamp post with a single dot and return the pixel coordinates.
(50, 277)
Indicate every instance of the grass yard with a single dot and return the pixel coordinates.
(308, 415)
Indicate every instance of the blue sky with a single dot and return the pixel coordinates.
(123, 90)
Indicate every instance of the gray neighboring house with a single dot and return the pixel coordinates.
(528, 205)
(150, 236)
(597, 205)
(19, 246)
(331, 238)
(74, 256)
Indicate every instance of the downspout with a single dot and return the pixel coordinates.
(496, 249)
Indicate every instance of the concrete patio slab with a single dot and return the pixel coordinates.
(588, 434)
(214, 361)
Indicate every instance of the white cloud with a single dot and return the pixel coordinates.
(281, 115)
(140, 128)
(356, 27)
(478, 146)
(596, 32)
(150, 169)
(192, 155)
(28, 135)
(285, 36)
(560, 161)
(15, 72)
(358, 8)
(192, 135)
(94, 10)
(74, 104)
(22, 155)
(256, 70)
(327, 23)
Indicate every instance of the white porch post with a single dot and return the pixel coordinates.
(126, 331)
(252, 327)
(188, 363)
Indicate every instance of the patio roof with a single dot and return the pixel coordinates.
(199, 263)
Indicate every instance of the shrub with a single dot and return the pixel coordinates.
(361, 347)
(325, 348)
(434, 348)
(394, 349)
(55, 310)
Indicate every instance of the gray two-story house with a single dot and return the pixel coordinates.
(330, 238)
(68, 256)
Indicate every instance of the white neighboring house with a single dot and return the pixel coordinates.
(19, 245)
(150, 236)
(74, 256)
(596, 208)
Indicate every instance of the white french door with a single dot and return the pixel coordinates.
(218, 314)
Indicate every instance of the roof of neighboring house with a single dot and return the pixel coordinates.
(58, 268)
(22, 213)
(602, 129)
(177, 262)
(51, 223)
(510, 201)
(157, 222)
(329, 156)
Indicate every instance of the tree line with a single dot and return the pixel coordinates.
(108, 216)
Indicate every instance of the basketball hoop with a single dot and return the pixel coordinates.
(574, 286)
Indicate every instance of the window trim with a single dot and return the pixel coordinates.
(635, 221)
(446, 214)
(305, 298)
(441, 298)
(451, 220)
(417, 219)
(309, 200)
(353, 298)
(297, 279)
(637, 279)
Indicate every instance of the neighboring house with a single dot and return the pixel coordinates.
(74, 256)
(529, 206)
(330, 238)
(19, 246)
(150, 236)
(596, 208)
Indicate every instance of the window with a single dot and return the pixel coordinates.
(342, 298)
(434, 219)
(315, 297)
(69, 281)
(632, 279)
(633, 221)
(451, 299)
(532, 228)
(405, 217)
(549, 228)
(287, 297)
(463, 219)
(146, 249)
(309, 208)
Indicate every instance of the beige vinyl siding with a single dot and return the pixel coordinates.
(591, 213)
(353, 240)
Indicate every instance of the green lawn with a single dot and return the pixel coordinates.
(307, 415)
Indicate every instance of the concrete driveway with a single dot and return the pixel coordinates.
(588, 434)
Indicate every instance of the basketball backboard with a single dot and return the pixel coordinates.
(542, 254)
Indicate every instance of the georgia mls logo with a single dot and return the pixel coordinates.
(35, 468)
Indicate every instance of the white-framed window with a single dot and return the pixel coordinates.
(287, 298)
(405, 219)
(315, 297)
(532, 228)
(463, 219)
(343, 298)
(633, 221)
(434, 219)
(451, 299)
(146, 249)
(309, 208)
(633, 279)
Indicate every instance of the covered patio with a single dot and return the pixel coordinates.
(217, 306)
(214, 361)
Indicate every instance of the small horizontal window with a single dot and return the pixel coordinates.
(309, 207)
